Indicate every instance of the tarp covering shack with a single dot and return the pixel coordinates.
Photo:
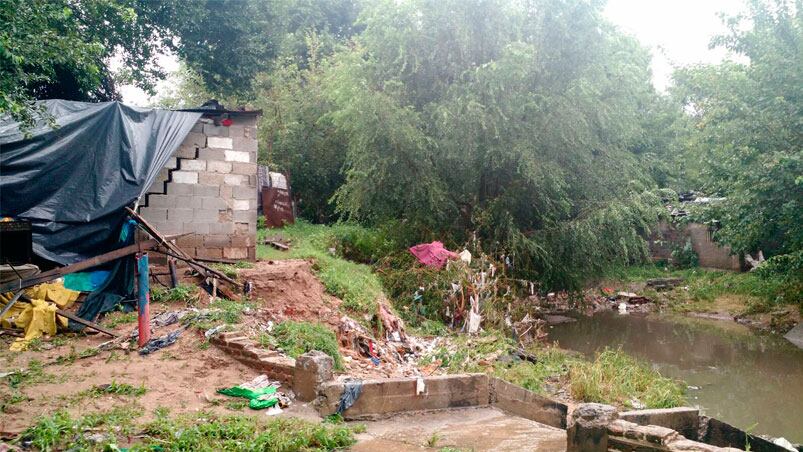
(73, 181)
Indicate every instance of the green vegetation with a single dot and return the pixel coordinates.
(297, 338)
(230, 270)
(185, 293)
(114, 388)
(616, 378)
(353, 283)
(200, 431)
(115, 319)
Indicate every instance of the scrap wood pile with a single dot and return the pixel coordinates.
(35, 304)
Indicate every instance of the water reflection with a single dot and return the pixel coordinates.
(743, 378)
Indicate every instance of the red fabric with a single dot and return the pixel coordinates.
(432, 254)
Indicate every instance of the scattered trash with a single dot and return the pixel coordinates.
(465, 256)
(213, 331)
(420, 386)
(273, 411)
(351, 392)
(433, 254)
(161, 342)
(622, 308)
(783, 442)
(261, 393)
(632, 298)
(34, 311)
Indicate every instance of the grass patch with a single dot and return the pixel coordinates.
(115, 319)
(61, 431)
(466, 354)
(34, 374)
(114, 388)
(206, 431)
(297, 338)
(74, 356)
(353, 283)
(551, 364)
(616, 378)
(230, 270)
(186, 293)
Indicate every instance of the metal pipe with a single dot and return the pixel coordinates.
(144, 301)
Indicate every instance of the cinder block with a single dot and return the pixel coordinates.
(241, 204)
(527, 404)
(215, 166)
(212, 130)
(154, 214)
(238, 156)
(252, 180)
(235, 179)
(242, 240)
(185, 177)
(236, 131)
(157, 187)
(172, 163)
(221, 228)
(243, 192)
(198, 127)
(220, 143)
(179, 215)
(196, 227)
(245, 216)
(250, 132)
(195, 139)
(168, 227)
(187, 151)
(213, 203)
(217, 241)
(193, 165)
(207, 178)
(245, 144)
(312, 369)
(161, 201)
(247, 169)
(211, 154)
(241, 228)
(205, 215)
(235, 253)
(174, 188)
(206, 190)
(226, 192)
(190, 241)
(209, 253)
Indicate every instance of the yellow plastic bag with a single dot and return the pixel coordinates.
(39, 317)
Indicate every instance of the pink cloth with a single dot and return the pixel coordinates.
(432, 254)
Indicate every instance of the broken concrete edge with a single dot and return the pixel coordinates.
(713, 431)
(524, 403)
(684, 420)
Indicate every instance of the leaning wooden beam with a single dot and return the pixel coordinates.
(84, 322)
(78, 266)
(176, 251)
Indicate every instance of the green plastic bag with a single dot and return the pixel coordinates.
(256, 397)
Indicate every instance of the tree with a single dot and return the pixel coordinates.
(746, 120)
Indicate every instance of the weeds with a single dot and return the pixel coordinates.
(236, 405)
(114, 388)
(61, 431)
(432, 441)
(115, 319)
(230, 270)
(616, 378)
(297, 338)
(73, 355)
(33, 375)
(185, 293)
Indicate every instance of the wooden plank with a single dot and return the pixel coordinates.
(79, 266)
(86, 323)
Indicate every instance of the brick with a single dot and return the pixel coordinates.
(185, 177)
(215, 166)
(193, 165)
(216, 203)
(245, 144)
(174, 188)
(212, 130)
(179, 215)
(209, 253)
(235, 253)
(238, 156)
(221, 228)
(217, 240)
(207, 178)
(242, 240)
(244, 193)
(195, 139)
(247, 169)
(220, 142)
(235, 179)
(208, 215)
(206, 190)
(154, 213)
(211, 154)
(186, 151)
(241, 204)
(161, 201)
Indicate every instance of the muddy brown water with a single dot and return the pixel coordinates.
(753, 381)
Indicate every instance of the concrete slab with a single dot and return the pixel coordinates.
(477, 429)
(795, 335)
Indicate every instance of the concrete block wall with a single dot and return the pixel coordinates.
(711, 254)
(268, 362)
(209, 188)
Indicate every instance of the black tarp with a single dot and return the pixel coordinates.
(73, 181)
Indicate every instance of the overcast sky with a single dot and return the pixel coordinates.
(676, 31)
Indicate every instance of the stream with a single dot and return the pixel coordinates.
(752, 381)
